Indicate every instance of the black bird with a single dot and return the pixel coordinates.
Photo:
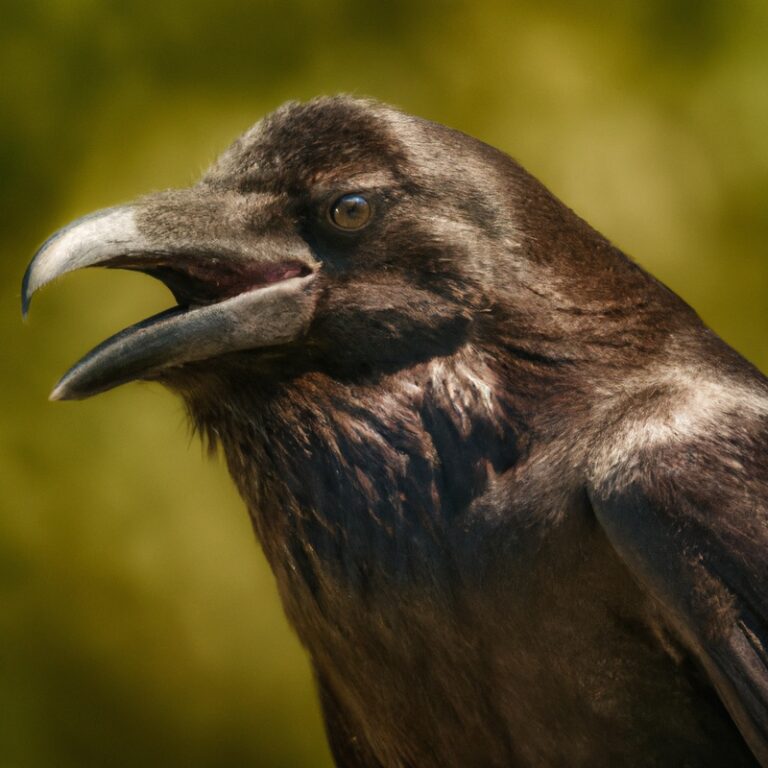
(513, 490)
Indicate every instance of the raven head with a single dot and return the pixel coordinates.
(318, 236)
(342, 234)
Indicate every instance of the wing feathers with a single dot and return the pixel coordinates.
(691, 523)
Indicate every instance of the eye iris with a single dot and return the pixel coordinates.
(351, 212)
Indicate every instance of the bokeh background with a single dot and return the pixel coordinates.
(139, 624)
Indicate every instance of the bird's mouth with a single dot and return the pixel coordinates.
(203, 279)
(226, 300)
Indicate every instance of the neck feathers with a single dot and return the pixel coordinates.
(363, 482)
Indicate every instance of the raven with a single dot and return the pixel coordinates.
(512, 489)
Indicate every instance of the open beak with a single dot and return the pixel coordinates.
(234, 292)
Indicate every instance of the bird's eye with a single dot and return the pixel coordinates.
(350, 212)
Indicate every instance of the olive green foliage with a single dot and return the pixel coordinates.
(139, 624)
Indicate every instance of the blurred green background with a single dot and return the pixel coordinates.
(139, 624)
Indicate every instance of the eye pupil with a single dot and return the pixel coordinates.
(350, 212)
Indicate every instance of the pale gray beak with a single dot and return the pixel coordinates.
(234, 293)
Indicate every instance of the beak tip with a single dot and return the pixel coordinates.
(87, 242)
(26, 294)
(60, 392)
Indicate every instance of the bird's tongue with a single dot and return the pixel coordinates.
(196, 280)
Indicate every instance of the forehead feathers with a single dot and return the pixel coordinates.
(302, 143)
(340, 140)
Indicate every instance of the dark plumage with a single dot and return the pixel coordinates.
(512, 489)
